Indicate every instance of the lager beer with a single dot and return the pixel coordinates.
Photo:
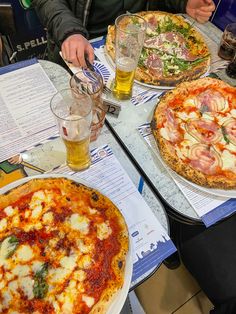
(130, 34)
(125, 69)
(78, 156)
(76, 136)
(73, 114)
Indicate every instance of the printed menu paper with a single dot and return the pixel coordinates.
(209, 208)
(25, 115)
(150, 242)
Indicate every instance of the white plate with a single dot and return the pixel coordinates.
(119, 299)
(215, 192)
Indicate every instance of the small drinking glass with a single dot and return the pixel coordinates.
(91, 82)
(228, 42)
(130, 36)
(73, 113)
(231, 68)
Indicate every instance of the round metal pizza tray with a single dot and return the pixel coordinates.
(119, 299)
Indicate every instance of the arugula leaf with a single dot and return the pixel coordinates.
(225, 135)
(40, 287)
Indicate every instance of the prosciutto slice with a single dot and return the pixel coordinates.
(172, 128)
(171, 43)
(155, 65)
(205, 131)
(210, 101)
(204, 158)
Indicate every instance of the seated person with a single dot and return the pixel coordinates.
(71, 23)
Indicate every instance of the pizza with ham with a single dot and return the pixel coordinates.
(173, 50)
(63, 249)
(195, 128)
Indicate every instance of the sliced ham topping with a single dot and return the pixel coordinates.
(164, 42)
(185, 54)
(206, 132)
(210, 101)
(152, 22)
(172, 128)
(155, 65)
(229, 128)
(204, 158)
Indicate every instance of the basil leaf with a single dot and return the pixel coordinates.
(40, 287)
(9, 245)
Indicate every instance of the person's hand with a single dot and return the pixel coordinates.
(74, 49)
(200, 10)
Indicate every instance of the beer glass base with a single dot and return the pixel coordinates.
(79, 167)
(121, 96)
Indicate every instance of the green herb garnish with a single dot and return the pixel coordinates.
(225, 135)
(9, 245)
(40, 287)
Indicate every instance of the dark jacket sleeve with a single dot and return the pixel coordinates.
(59, 19)
(173, 6)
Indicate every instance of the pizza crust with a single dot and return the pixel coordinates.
(167, 149)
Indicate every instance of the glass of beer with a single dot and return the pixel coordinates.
(228, 42)
(130, 35)
(73, 113)
(91, 82)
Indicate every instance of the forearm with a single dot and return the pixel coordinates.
(59, 20)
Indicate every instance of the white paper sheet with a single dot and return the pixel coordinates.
(151, 244)
(25, 115)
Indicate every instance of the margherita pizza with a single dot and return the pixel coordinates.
(195, 128)
(173, 50)
(63, 249)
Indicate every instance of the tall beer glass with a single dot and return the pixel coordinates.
(130, 35)
(73, 113)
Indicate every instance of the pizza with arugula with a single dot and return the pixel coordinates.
(173, 50)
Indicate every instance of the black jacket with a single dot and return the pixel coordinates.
(63, 18)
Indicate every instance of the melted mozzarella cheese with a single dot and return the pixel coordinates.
(13, 286)
(88, 300)
(69, 262)
(3, 224)
(36, 266)
(79, 275)
(164, 134)
(24, 253)
(233, 113)
(186, 116)
(85, 261)
(58, 275)
(103, 230)
(21, 270)
(80, 223)
(84, 248)
(228, 160)
(9, 210)
(7, 298)
(26, 284)
(189, 102)
(48, 217)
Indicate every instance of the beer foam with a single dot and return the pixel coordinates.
(126, 64)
